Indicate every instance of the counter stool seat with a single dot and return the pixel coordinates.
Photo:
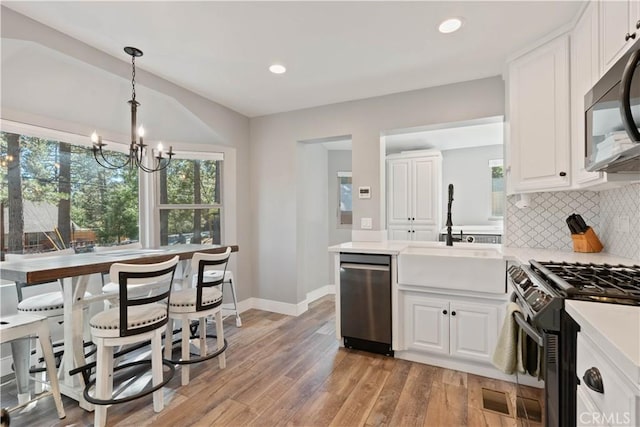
(49, 304)
(20, 326)
(184, 301)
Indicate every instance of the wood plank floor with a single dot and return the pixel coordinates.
(290, 371)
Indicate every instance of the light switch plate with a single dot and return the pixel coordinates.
(366, 223)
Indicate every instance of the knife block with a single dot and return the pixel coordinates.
(586, 242)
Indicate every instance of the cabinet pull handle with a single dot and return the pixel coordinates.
(453, 313)
(628, 36)
(444, 312)
(593, 380)
(562, 174)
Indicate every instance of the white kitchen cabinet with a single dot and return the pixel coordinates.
(462, 329)
(539, 120)
(619, 20)
(585, 71)
(414, 181)
(617, 402)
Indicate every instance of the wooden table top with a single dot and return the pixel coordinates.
(51, 268)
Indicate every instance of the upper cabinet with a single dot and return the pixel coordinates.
(619, 27)
(585, 70)
(413, 195)
(539, 126)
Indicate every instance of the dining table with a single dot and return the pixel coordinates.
(74, 271)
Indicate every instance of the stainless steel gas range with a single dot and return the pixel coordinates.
(540, 289)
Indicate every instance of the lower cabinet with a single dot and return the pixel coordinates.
(450, 326)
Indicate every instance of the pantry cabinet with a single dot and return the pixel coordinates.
(539, 120)
(619, 28)
(455, 327)
(414, 181)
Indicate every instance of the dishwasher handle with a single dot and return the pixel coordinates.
(352, 266)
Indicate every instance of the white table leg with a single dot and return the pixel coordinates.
(73, 294)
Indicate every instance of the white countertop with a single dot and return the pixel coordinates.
(522, 255)
(616, 330)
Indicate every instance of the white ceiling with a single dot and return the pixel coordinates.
(333, 51)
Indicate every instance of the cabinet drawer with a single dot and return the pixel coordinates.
(617, 404)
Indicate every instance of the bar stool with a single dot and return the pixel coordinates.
(111, 287)
(138, 318)
(228, 280)
(197, 303)
(21, 326)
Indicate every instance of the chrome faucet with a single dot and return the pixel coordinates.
(449, 222)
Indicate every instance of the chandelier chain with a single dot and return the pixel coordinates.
(133, 78)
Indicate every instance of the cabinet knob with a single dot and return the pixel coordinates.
(453, 313)
(593, 380)
(638, 25)
(408, 219)
(413, 231)
(562, 174)
(444, 311)
(628, 36)
(413, 219)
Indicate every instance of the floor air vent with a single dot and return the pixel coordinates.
(529, 409)
(495, 401)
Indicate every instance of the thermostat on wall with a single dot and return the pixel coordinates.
(364, 192)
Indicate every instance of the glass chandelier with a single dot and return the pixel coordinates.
(137, 148)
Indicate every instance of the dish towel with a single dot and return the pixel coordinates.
(506, 354)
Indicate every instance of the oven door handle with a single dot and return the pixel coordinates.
(528, 329)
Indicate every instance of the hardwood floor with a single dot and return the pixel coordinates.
(290, 371)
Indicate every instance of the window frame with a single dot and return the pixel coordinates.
(495, 163)
(339, 223)
(189, 155)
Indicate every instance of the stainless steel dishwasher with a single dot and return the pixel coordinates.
(365, 302)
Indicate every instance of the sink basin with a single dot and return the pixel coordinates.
(471, 267)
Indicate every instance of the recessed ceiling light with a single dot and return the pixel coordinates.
(450, 25)
(277, 69)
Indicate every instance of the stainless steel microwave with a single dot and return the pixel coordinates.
(612, 118)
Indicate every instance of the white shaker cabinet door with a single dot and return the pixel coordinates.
(617, 19)
(425, 190)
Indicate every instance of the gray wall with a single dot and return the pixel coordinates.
(273, 163)
(312, 218)
(339, 161)
(468, 170)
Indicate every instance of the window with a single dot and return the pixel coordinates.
(345, 210)
(54, 196)
(497, 188)
(190, 198)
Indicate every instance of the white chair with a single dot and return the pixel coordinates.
(136, 319)
(20, 326)
(196, 304)
(228, 280)
(47, 304)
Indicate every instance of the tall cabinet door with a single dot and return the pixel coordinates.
(425, 191)
(539, 118)
(399, 191)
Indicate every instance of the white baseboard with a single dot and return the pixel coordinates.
(283, 307)
(320, 292)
